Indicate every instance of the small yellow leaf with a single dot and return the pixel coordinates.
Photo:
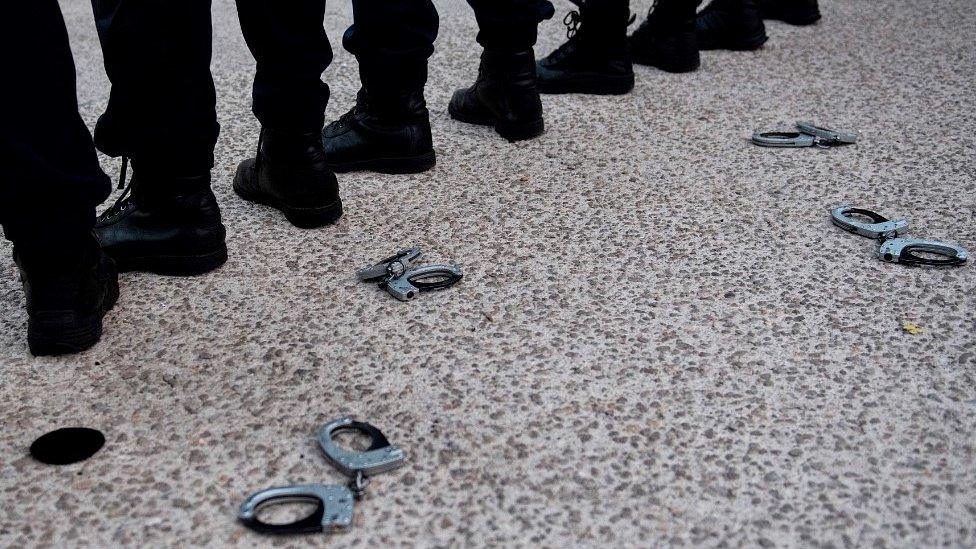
(911, 328)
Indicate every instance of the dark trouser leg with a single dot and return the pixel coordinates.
(392, 39)
(51, 184)
(505, 94)
(289, 172)
(162, 114)
(52, 181)
(292, 50)
(162, 109)
(509, 25)
(389, 128)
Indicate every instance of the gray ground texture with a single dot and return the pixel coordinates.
(660, 338)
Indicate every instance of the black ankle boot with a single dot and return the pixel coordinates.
(666, 39)
(388, 133)
(505, 96)
(164, 225)
(289, 173)
(794, 12)
(67, 296)
(595, 58)
(730, 25)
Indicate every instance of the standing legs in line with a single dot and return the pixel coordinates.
(598, 55)
(388, 129)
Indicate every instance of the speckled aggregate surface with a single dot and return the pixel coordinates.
(660, 339)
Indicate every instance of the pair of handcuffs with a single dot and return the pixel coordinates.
(893, 248)
(334, 503)
(809, 135)
(399, 275)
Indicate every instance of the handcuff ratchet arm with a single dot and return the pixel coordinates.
(394, 265)
(826, 136)
(379, 457)
(783, 139)
(809, 135)
(422, 279)
(901, 250)
(334, 509)
(880, 228)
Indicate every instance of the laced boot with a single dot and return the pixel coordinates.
(164, 224)
(794, 12)
(388, 133)
(504, 96)
(68, 293)
(289, 173)
(730, 25)
(594, 59)
(666, 39)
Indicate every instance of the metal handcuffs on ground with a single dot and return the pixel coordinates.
(895, 249)
(334, 503)
(810, 135)
(399, 276)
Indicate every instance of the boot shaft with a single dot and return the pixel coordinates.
(730, 24)
(148, 188)
(288, 147)
(507, 69)
(599, 26)
(396, 94)
(59, 281)
(674, 12)
(391, 107)
(794, 12)
(292, 167)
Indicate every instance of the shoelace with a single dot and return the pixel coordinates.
(572, 22)
(257, 156)
(125, 165)
(118, 206)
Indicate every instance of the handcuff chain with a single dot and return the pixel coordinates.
(358, 484)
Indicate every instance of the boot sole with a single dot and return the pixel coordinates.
(303, 218)
(799, 20)
(590, 84)
(676, 52)
(512, 132)
(750, 43)
(389, 165)
(53, 333)
(175, 265)
(677, 68)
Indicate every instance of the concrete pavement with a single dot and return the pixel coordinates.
(660, 338)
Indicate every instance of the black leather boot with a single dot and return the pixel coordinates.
(505, 96)
(666, 39)
(730, 25)
(794, 12)
(386, 132)
(595, 58)
(289, 173)
(164, 225)
(67, 296)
